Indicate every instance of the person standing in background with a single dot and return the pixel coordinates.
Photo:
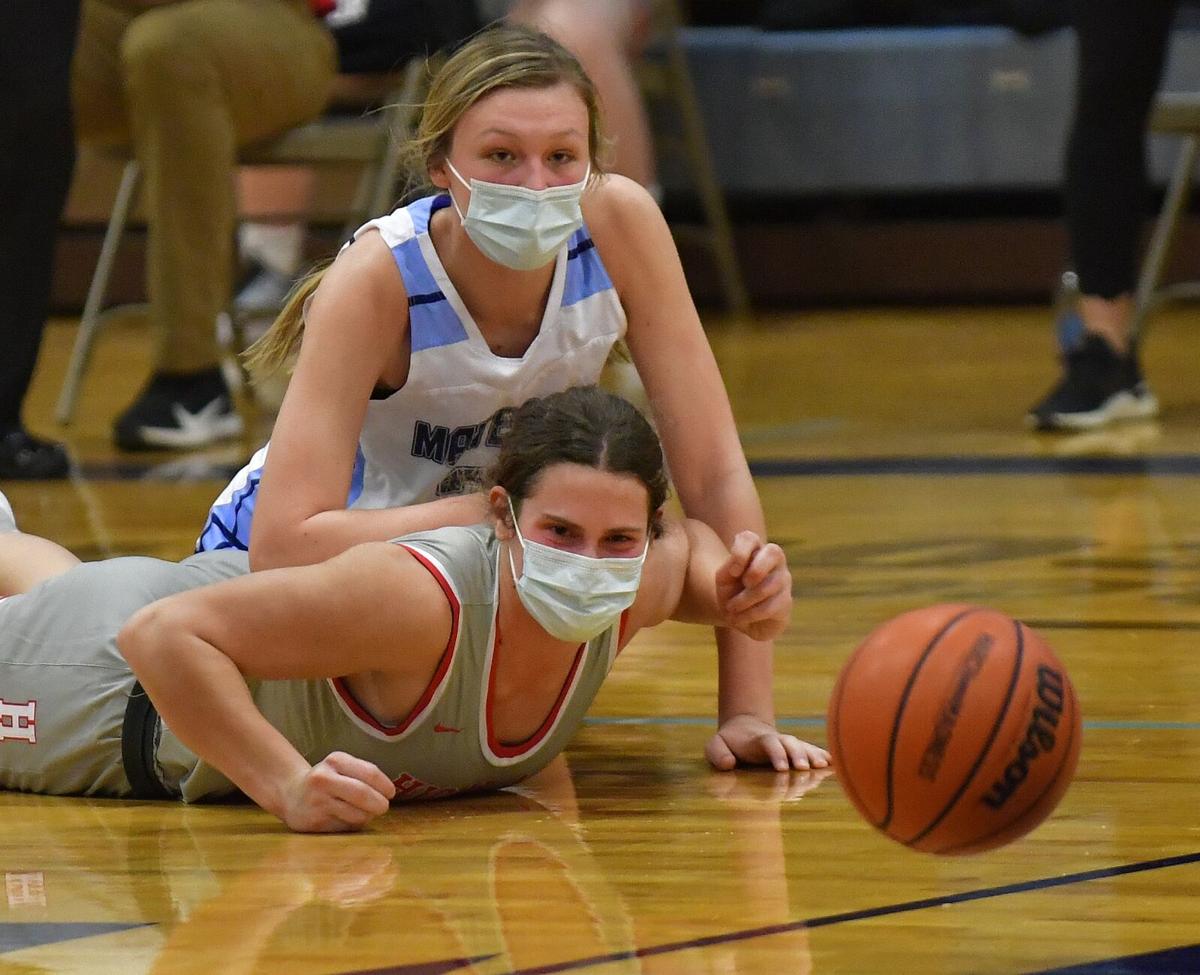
(1122, 50)
(37, 156)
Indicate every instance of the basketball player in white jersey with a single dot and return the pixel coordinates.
(455, 660)
(515, 280)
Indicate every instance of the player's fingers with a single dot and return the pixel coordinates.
(364, 771)
(763, 561)
(804, 754)
(719, 754)
(749, 599)
(344, 791)
(777, 755)
(793, 748)
(771, 616)
(740, 553)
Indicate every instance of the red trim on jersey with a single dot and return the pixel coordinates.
(621, 631)
(439, 675)
(498, 747)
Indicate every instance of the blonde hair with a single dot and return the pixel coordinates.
(501, 56)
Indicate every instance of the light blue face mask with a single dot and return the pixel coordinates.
(519, 227)
(574, 597)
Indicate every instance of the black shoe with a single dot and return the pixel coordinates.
(27, 458)
(1098, 387)
(178, 411)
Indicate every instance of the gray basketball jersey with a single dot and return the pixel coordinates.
(446, 745)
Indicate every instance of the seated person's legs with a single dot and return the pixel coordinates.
(188, 83)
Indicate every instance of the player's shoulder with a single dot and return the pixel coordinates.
(362, 281)
(614, 204)
(663, 575)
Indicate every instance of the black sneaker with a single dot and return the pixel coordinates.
(179, 411)
(1098, 387)
(27, 458)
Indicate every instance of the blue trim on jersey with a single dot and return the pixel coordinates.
(432, 323)
(586, 274)
(228, 538)
(356, 479)
(228, 524)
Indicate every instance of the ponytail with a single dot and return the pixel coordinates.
(276, 350)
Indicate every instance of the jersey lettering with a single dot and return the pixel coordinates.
(409, 788)
(443, 445)
(430, 442)
(18, 721)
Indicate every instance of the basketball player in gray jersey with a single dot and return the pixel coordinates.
(451, 661)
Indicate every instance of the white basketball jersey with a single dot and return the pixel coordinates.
(437, 434)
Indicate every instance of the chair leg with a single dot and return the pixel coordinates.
(712, 200)
(375, 190)
(399, 120)
(92, 319)
(1166, 229)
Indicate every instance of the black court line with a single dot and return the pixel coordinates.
(192, 468)
(1174, 465)
(827, 920)
(1166, 625)
(1183, 960)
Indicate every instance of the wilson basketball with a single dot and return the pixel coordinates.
(954, 729)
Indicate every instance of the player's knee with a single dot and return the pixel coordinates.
(157, 55)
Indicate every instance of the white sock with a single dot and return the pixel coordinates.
(8, 521)
(276, 246)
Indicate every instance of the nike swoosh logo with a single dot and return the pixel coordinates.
(445, 729)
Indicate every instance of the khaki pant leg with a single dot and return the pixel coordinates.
(201, 78)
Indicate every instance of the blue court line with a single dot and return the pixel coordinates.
(827, 920)
(1171, 465)
(817, 722)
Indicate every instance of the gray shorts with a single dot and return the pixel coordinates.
(63, 683)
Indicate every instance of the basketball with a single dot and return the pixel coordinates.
(954, 729)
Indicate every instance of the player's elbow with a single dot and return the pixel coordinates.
(269, 548)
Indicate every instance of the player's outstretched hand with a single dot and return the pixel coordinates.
(339, 794)
(754, 587)
(747, 740)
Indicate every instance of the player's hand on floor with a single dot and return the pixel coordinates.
(754, 587)
(747, 740)
(339, 794)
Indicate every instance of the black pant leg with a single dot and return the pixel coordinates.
(1122, 48)
(37, 156)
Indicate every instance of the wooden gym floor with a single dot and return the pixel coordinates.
(893, 464)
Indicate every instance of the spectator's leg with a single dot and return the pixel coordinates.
(603, 35)
(201, 78)
(1122, 48)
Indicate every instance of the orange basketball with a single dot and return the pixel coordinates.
(954, 729)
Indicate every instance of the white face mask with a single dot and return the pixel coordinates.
(518, 227)
(574, 597)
